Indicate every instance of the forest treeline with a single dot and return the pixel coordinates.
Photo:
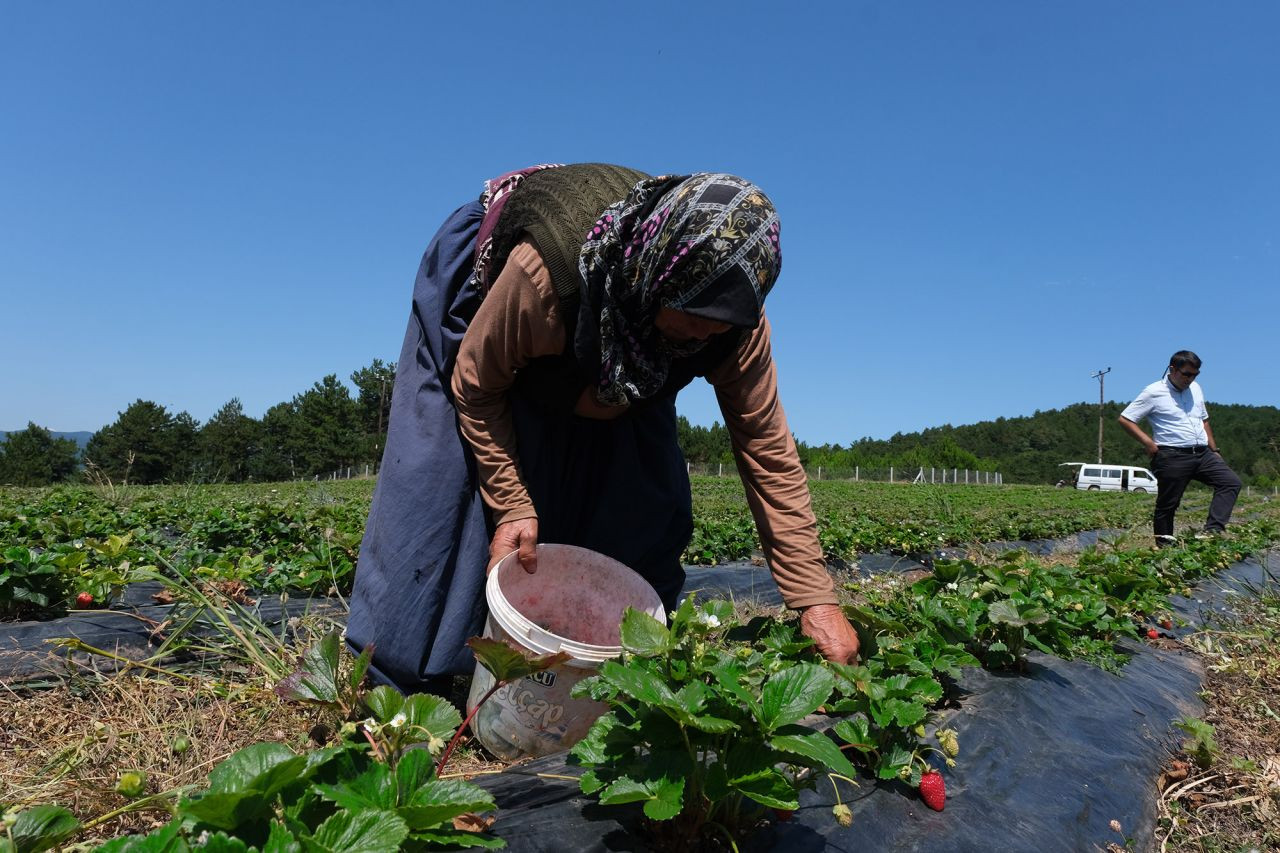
(1028, 449)
(328, 429)
(320, 431)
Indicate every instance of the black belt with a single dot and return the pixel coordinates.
(1192, 450)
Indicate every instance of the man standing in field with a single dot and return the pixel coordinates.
(1181, 445)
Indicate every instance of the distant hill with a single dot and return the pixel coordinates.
(80, 438)
(1028, 449)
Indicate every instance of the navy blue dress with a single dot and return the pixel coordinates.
(619, 487)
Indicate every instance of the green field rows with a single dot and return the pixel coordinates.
(61, 542)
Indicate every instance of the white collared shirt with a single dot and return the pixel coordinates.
(1176, 417)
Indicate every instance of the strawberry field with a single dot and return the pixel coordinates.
(253, 728)
(305, 537)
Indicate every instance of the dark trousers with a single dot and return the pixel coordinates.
(1174, 467)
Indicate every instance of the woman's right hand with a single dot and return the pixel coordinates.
(519, 535)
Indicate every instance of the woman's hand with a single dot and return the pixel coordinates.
(827, 626)
(519, 535)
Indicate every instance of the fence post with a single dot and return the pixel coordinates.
(720, 470)
(819, 472)
(890, 473)
(857, 469)
(931, 475)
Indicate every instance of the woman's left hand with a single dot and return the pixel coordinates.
(520, 535)
(831, 632)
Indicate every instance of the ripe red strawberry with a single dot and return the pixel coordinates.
(783, 814)
(933, 790)
(1167, 624)
(1152, 634)
(84, 601)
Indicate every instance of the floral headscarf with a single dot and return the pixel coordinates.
(706, 244)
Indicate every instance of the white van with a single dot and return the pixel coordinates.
(1105, 477)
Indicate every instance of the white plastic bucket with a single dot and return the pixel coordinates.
(574, 603)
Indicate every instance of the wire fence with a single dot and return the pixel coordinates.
(942, 476)
(955, 476)
(351, 472)
(948, 476)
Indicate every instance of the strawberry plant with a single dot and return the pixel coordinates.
(32, 584)
(705, 723)
(322, 679)
(376, 790)
(1000, 610)
(886, 704)
(718, 539)
(36, 829)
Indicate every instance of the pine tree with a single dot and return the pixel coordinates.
(33, 457)
(229, 441)
(138, 448)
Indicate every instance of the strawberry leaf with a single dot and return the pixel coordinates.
(435, 715)
(41, 828)
(316, 679)
(667, 801)
(363, 660)
(857, 732)
(643, 635)
(507, 663)
(793, 694)
(384, 703)
(372, 789)
(638, 684)
(439, 801)
(281, 840)
(770, 788)
(368, 831)
(815, 746)
(266, 767)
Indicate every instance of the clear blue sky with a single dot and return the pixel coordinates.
(982, 203)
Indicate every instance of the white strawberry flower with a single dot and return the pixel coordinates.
(398, 720)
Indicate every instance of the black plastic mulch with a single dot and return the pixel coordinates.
(1049, 757)
(27, 652)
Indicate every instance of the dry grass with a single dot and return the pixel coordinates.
(67, 745)
(1233, 804)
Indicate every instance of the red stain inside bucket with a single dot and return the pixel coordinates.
(577, 594)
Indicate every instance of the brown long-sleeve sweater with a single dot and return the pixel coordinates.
(519, 320)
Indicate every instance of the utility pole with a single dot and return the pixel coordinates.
(1099, 376)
